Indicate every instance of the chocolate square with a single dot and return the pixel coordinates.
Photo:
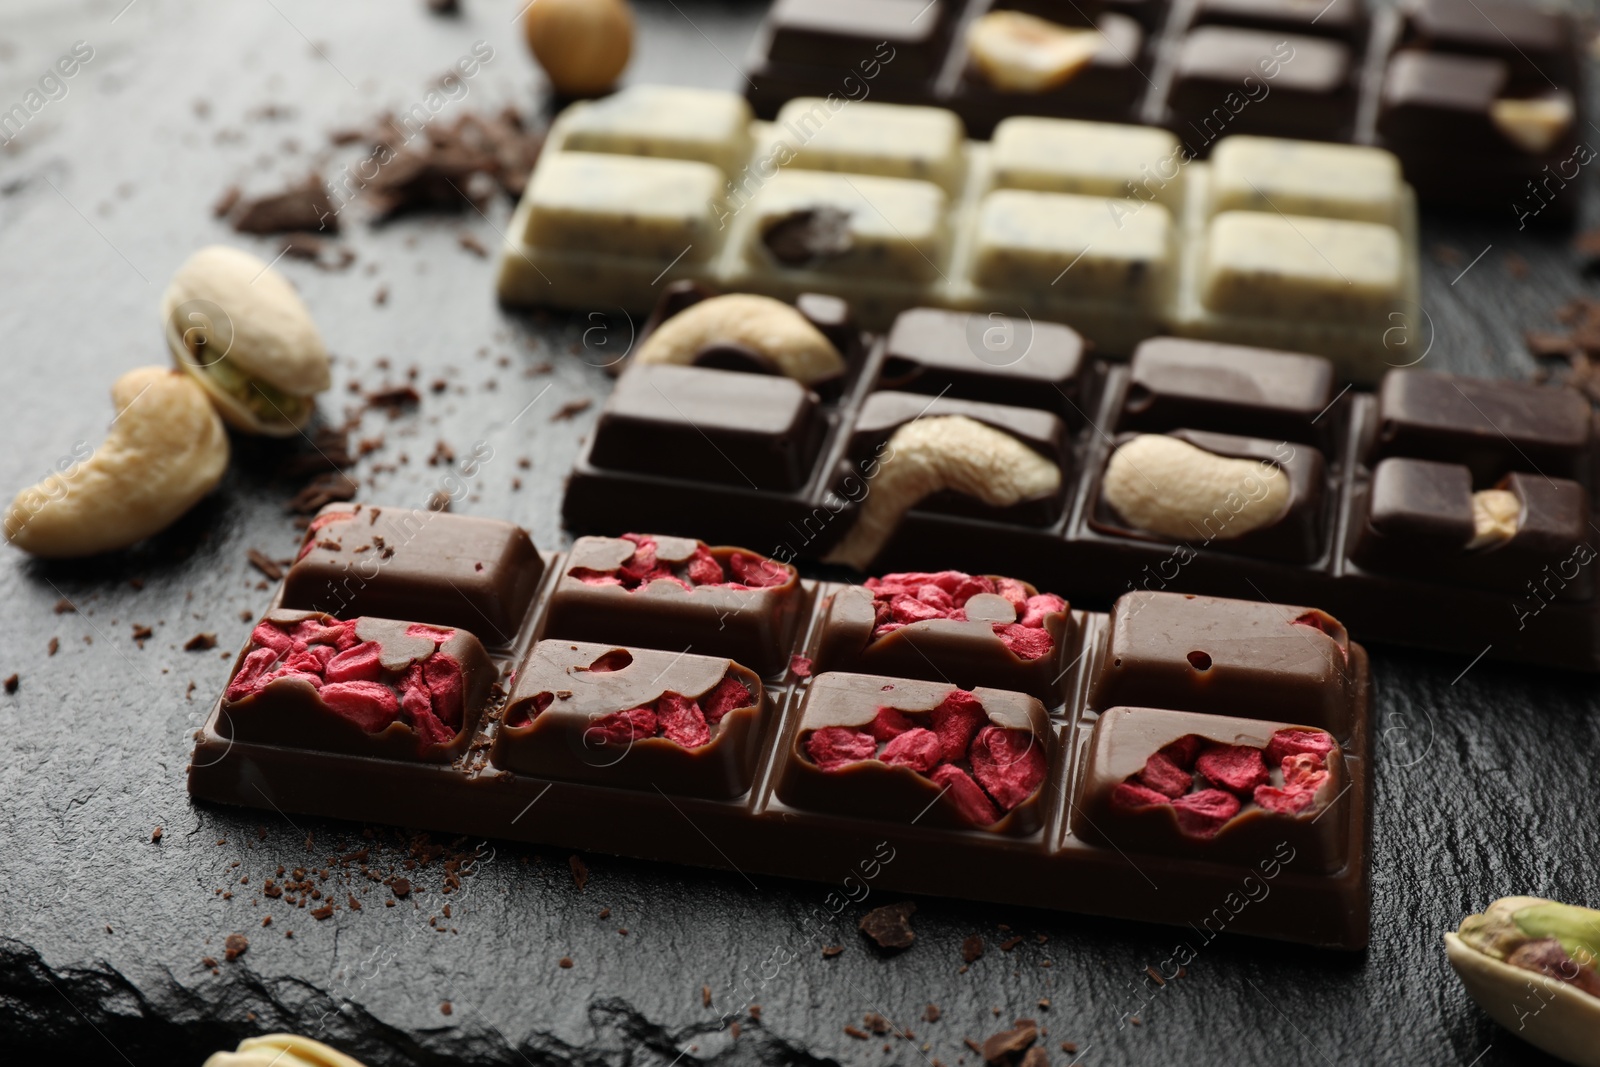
(568, 718)
(697, 424)
(1246, 81)
(430, 566)
(751, 625)
(968, 652)
(1142, 820)
(1490, 427)
(873, 789)
(1227, 657)
(993, 358)
(1173, 382)
(1108, 87)
(903, 37)
(1344, 19)
(1539, 45)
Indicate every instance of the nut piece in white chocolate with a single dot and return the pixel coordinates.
(1165, 486)
(630, 206)
(943, 452)
(1306, 178)
(886, 140)
(672, 122)
(1496, 517)
(770, 328)
(1020, 53)
(1268, 265)
(1074, 246)
(238, 327)
(165, 450)
(1535, 124)
(1087, 158)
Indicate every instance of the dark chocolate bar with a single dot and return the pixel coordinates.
(965, 735)
(1440, 511)
(1426, 80)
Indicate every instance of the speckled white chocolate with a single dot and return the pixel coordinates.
(1306, 178)
(1077, 246)
(1263, 264)
(701, 124)
(888, 140)
(624, 205)
(898, 227)
(1091, 158)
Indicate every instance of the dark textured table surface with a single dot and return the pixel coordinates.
(1484, 772)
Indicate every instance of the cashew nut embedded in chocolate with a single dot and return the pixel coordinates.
(1166, 486)
(238, 327)
(943, 452)
(1534, 124)
(768, 327)
(166, 449)
(281, 1050)
(1496, 516)
(1021, 53)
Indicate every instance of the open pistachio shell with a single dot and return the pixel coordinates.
(1549, 1014)
(238, 327)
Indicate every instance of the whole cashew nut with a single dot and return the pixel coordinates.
(281, 1050)
(766, 326)
(165, 450)
(943, 452)
(1169, 487)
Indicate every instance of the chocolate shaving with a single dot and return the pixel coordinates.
(809, 236)
(301, 207)
(471, 244)
(571, 408)
(580, 871)
(53, 647)
(1007, 1046)
(235, 946)
(394, 397)
(201, 642)
(830, 951)
(889, 927)
(321, 490)
(65, 607)
(972, 948)
(265, 564)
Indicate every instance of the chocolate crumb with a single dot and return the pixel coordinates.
(324, 912)
(394, 397)
(142, 633)
(565, 963)
(1008, 1045)
(931, 1013)
(445, 1008)
(473, 245)
(208, 962)
(401, 887)
(605, 913)
(1153, 973)
(972, 948)
(65, 607)
(12, 682)
(754, 1011)
(324, 489)
(53, 647)
(234, 946)
(580, 871)
(705, 996)
(890, 926)
(875, 1022)
(304, 207)
(1035, 1057)
(830, 951)
(857, 1033)
(227, 201)
(439, 501)
(381, 297)
(155, 836)
(201, 642)
(571, 409)
(1069, 1046)
(1010, 943)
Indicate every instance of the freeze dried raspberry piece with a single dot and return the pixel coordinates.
(918, 749)
(1286, 801)
(681, 720)
(969, 800)
(308, 632)
(590, 576)
(252, 673)
(1183, 751)
(269, 636)
(621, 727)
(436, 634)
(970, 586)
(800, 665)
(1025, 642)
(1131, 796)
(1035, 608)
(1205, 813)
(1015, 592)
(757, 572)
(313, 659)
(358, 664)
(703, 568)
(956, 721)
(418, 706)
(369, 705)
(1009, 764)
(906, 609)
(729, 695)
(1304, 770)
(833, 747)
(1164, 776)
(1236, 768)
(1291, 742)
(889, 724)
(442, 673)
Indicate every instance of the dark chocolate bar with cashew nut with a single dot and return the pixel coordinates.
(667, 699)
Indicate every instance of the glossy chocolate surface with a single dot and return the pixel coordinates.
(1311, 94)
(652, 750)
(1529, 599)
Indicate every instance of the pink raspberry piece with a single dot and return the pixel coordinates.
(640, 566)
(682, 721)
(935, 598)
(312, 660)
(1015, 592)
(729, 695)
(1236, 768)
(1183, 751)
(358, 664)
(908, 609)
(1205, 813)
(918, 749)
(889, 724)
(1304, 769)
(1291, 742)
(1165, 777)
(419, 709)
(961, 790)
(442, 674)
(704, 569)
(1291, 800)
(800, 665)
(369, 705)
(267, 635)
(1131, 796)
(956, 721)
(437, 635)
(1037, 607)
(757, 572)
(251, 673)
(621, 727)
(1025, 642)
(1009, 764)
(833, 747)
(590, 576)
(970, 586)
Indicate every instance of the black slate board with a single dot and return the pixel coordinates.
(1484, 773)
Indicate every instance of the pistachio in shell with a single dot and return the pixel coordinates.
(238, 327)
(1531, 964)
